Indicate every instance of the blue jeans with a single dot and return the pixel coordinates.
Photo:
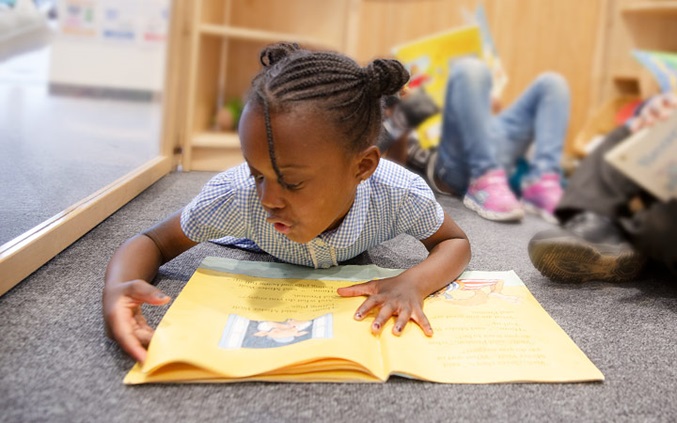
(475, 141)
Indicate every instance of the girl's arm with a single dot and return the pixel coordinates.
(403, 295)
(127, 286)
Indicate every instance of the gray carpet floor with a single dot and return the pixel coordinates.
(56, 365)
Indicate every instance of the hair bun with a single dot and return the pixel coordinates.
(385, 77)
(276, 52)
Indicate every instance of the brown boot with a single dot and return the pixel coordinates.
(588, 247)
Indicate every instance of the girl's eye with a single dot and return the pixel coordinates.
(294, 187)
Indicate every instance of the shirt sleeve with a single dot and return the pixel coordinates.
(216, 212)
(420, 214)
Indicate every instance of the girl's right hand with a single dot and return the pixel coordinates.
(122, 315)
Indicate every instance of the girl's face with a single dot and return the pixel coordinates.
(309, 154)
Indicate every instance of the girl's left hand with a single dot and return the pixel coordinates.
(394, 296)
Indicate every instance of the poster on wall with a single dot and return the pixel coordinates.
(143, 23)
(116, 44)
(154, 22)
(77, 18)
(119, 20)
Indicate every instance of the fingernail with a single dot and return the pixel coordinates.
(160, 296)
(398, 328)
(358, 315)
(376, 325)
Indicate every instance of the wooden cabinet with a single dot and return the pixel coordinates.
(224, 38)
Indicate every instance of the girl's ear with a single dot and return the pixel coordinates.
(367, 162)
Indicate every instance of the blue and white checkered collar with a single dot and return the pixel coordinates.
(350, 229)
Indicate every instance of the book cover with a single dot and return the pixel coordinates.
(662, 66)
(253, 321)
(428, 61)
(489, 50)
(649, 157)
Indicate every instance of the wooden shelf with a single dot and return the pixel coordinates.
(215, 151)
(651, 8)
(261, 36)
(216, 140)
(625, 76)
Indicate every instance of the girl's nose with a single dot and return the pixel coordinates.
(271, 194)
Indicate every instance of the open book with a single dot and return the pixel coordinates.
(430, 58)
(649, 157)
(244, 321)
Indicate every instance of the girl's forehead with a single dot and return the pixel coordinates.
(307, 114)
(300, 135)
(306, 125)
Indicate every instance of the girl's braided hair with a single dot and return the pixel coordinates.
(349, 95)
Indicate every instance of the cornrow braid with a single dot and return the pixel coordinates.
(271, 147)
(349, 94)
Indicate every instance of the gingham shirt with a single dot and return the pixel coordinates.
(391, 202)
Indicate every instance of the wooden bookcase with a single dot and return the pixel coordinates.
(224, 41)
(618, 77)
(633, 24)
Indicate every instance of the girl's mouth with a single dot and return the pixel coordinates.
(281, 225)
(282, 228)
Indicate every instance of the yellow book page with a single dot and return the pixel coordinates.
(488, 328)
(228, 325)
(184, 373)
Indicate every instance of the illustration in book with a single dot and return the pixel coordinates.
(241, 332)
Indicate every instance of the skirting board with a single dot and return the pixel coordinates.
(26, 253)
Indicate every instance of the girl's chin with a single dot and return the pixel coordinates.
(298, 237)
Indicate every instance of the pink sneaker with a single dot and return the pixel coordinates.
(541, 197)
(491, 197)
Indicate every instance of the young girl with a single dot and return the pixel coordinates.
(312, 192)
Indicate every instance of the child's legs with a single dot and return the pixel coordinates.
(540, 114)
(466, 147)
